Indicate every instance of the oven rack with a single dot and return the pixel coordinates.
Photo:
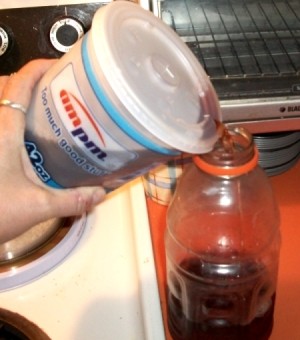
(239, 39)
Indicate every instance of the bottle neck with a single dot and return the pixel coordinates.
(234, 154)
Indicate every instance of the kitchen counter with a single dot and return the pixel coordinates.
(287, 314)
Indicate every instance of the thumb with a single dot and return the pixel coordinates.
(74, 202)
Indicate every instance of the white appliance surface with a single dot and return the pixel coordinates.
(106, 288)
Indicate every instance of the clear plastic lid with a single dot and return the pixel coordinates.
(156, 77)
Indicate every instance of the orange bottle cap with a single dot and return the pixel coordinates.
(227, 170)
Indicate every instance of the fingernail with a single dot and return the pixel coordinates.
(98, 196)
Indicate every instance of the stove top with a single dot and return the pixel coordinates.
(106, 287)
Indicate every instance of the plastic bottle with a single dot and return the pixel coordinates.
(222, 246)
(129, 95)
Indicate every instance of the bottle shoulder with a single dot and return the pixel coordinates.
(240, 213)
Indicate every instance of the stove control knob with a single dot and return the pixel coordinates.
(4, 41)
(64, 33)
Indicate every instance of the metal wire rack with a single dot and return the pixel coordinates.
(239, 38)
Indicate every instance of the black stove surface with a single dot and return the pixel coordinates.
(41, 32)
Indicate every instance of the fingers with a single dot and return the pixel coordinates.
(35, 204)
(25, 200)
(74, 202)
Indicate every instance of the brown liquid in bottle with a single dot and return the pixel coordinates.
(204, 297)
(218, 300)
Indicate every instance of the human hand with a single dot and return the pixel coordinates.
(24, 199)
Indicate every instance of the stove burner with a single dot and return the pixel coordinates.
(31, 240)
(15, 327)
(41, 260)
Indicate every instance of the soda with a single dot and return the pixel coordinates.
(233, 300)
(223, 245)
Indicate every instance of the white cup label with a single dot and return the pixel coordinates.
(85, 131)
